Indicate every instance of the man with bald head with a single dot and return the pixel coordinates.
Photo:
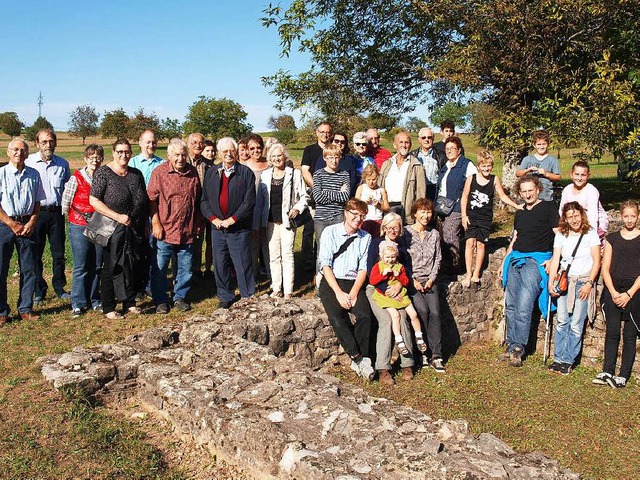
(20, 195)
(147, 160)
(228, 200)
(379, 154)
(403, 177)
(431, 160)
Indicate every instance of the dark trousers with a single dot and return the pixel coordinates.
(427, 304)
(308, 247)
(26, 247)
(613, 319)
(355, 339)
(107, 290)
(50, 225)
(232, 250)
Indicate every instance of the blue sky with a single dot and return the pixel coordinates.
(159, 55)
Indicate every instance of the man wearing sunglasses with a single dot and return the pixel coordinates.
(431, 160)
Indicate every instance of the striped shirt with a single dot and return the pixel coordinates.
(424, 252)
(353, 260)
(329, 193)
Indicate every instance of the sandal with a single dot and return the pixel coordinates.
(421, 345)
(134, 310)
(402, 348)
(113, 315)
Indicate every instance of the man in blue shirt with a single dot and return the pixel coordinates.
(342, 259)
(54, 173)
(20, 195)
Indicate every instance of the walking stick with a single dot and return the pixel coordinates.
(547, 333)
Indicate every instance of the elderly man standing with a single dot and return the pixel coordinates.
(310, 156)
(403, 177)
(228, 200)
(379, 154)
(20, 195)
(431, 160)
(54, 174)
(174, 199)
(196, 147)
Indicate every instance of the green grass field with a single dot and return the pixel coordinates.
(593, 430)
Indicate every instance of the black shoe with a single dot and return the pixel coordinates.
(162, 309)
(515, 357)
(554, 367)
(181, 305)
(225, 305)
(564, 369)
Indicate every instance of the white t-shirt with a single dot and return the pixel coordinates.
(394, 181)
(582, 263)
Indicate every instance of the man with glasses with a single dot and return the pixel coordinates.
(342, 258)
(379, 154)
(195, 145)
(310, 156)
(20, 195)
(54, 174)
(431, 160)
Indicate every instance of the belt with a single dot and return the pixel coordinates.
(51, 208)
(21, 218)
(395, 204)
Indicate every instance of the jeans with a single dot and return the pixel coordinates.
(354, 338)
(232, 250)
(160, 259)
(26, 247)
(87, 266)
(521, 294)
(384, 336)
(281, 265)
(427, 304)
(569, 328)
(51, 225)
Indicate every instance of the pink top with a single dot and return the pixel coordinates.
(589, 199)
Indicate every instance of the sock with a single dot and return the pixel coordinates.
(418, 334)
(399, 338)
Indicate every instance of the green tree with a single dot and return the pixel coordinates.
(217, 117)
(40, 123)
(382, 121)
(414, 124)
(10, 123)
(115, 124)
(142, 121)
(83, 122)
(169, 128)
(525, 58)
(281, 122)
(454, 111)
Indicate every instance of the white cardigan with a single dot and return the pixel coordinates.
(292, 179)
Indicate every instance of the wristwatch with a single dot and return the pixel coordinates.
(591, 282)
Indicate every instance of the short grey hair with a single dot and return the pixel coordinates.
(225, 140)
(272, 149)
(176, 145)
(390, 217)
(18, 139)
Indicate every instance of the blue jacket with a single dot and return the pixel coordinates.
(242, 196)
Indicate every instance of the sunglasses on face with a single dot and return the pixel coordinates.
(339, 142)
(360, 144)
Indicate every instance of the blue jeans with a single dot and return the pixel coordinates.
(569, 328)
(87, 266)
(26, 247)
(160, 259)
(232, 250)
(521, 294)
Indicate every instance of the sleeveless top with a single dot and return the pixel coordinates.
(480, 203)
(369, 197)
(80, 202)
(625, 261)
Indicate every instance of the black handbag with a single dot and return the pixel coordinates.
(99, 229)
(444, 206)
(303, 217)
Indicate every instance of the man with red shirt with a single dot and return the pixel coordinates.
(174, 199)
(378, 153)
(228, 200)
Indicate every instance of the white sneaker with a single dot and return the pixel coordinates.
(356, 368)
(601, 378)
(366, 369)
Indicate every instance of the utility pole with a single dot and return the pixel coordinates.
(40, 102)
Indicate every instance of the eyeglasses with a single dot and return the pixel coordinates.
(426, 138)
(357, 214)
(357, 144)
(374, 138)
(324, 132)
(339, 142)
(126, 153)
(389, 227)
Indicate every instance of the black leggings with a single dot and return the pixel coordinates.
(613, 319)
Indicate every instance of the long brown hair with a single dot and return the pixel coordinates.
(563, 225)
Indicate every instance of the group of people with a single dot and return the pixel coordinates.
(377, 252)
